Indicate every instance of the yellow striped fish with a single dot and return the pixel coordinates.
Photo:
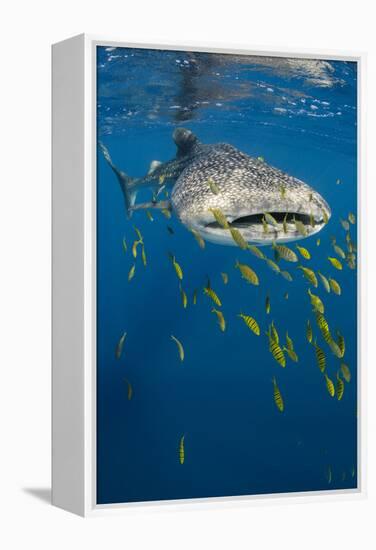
(304, 252)
(351, 261)
(312, 220)
(181, 449)
(341, 343)
(345, 372)
(120, 345)
(238, 238)
(300, 227)
(316, 302)
(179, 346)
(256, 251)
(284, 223)
(345, 224)
(335, 263)
(132, 272)
(210, 292)
(329, 385)
(273, 266)
(166, 212)
(125, 247)
(351, 218)
(200, 241)
(219, 217)
(251, 323)
(292, 354)
(274, 333)
(143, 255)
(286, 275)
(267, 304)
(289, 342)
(324, 281)
(325, 218)
(138, 233)
(290, 349)
(277, 396)
(220, 318)
(184, 297)
(338, 250)
(322, 323)
(335, 348)
(309, 274)
(320, 357)
(309, 334)
(334, 285)
(284, 252)
(129, 389)
(224, 278)
(247, 273)
(134, 248)
(150, 217)
(270, 219)
(277, 352)
(340, 387)
(178, 269)
(194, 299)
(213, 186)
(265, 226)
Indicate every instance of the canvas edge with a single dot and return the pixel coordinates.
(67, 427)
(90, 508)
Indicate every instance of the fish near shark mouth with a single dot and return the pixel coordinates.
(280, 217)
(288, 226)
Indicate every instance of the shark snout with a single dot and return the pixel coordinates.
(271, 217)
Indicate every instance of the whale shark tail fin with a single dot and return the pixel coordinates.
(125, 182)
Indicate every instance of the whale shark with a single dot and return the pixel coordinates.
(246, 190)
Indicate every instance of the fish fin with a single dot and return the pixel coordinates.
(124, 180)
(154, 165)
(185, 141)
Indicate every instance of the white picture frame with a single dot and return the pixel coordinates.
(74, 278)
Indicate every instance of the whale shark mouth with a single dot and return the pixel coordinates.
(255, 229)
(280, 217)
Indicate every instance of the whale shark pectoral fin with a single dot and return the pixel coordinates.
(126, 182)
(185, 141)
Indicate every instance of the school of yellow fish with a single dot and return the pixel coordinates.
(283, 349)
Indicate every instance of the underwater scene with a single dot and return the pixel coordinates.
(226, 275)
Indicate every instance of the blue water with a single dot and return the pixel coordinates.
(302, 119)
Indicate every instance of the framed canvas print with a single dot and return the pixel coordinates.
(206, 279)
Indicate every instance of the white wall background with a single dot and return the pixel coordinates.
(27, 30)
